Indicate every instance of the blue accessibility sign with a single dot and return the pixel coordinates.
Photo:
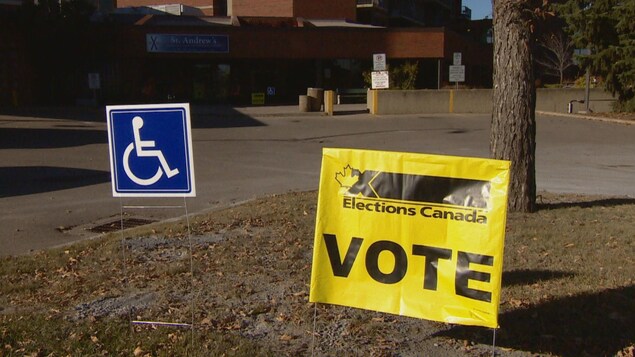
(151, 150)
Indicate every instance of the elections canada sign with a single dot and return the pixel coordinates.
(411, 234)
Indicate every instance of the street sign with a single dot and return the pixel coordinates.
(186, 43)
(457, 58)
(457, 73)
(380, 80)
(580, 52)
(151, 150)
(258, 98)
(379, 62)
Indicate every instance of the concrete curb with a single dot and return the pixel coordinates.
(588, 117)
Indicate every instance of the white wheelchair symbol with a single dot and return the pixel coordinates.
(140, 147)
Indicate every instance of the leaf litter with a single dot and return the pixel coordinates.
(245, 286)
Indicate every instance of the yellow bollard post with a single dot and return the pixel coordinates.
(373, 100)
(329, 96)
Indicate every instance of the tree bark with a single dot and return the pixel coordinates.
(513, 130)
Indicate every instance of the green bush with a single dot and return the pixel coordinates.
(626, 106)
(401, 77)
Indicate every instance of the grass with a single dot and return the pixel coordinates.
(569, 283)
(568, 289)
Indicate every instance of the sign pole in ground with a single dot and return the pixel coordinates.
(150, 150)
(411, 234)
(457, 58)
(584, 52)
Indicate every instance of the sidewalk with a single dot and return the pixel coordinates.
(274, 111)
(98, 114)
(597, 117)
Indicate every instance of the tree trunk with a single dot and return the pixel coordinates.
(561, 77)
(513, 131)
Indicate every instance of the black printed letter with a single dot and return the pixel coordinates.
(341, 267)
(464, 274)
(432, 263)
(372, 262)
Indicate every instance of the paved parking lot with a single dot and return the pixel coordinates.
(55, 180)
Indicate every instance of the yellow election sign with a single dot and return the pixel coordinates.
(411, 234)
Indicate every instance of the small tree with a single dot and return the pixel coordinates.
(606, 27)
(556, 55)
(404, 76)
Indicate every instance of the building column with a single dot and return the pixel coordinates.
(439, 74)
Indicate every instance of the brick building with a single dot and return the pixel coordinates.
(217, 51)
(14, 67)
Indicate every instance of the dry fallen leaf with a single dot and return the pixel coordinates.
(137, 351)
(286, 337)
(173, 337)
(627, 352)
(516, 303)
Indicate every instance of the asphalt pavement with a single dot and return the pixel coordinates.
(55, 180)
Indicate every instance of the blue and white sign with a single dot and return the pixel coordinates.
(151, 150)
(180, 43)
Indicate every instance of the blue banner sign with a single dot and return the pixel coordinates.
(176, 43)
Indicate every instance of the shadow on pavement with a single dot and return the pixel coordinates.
(32, 138)
(207, 117)
(91, 114)
(20, 181)
(69, 134)
(350, 112)
(203, 116)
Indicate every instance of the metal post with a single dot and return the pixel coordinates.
(587, 90)
(438, 74)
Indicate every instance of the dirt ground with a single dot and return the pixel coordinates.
(568, 290)
(252, 273)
